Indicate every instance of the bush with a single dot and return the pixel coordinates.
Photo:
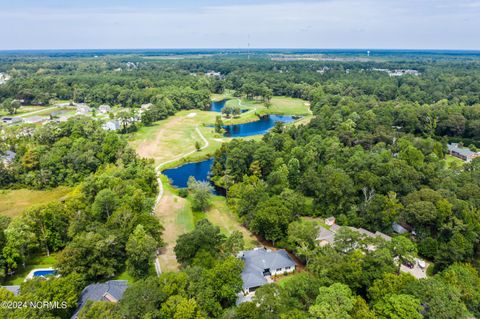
(183, 192)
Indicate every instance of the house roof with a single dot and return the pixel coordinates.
(8, 157)
(14, 289)
(325, 235)
(112, 291)
(399, 228)
(334, 228)
(454, 147)
(259, 260)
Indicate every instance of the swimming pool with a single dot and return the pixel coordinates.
(44, 273)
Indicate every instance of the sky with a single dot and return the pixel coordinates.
(157, 24)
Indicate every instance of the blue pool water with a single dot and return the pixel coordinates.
(200, 170)
(261, 126)
(44, 273)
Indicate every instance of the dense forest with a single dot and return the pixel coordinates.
(373, 154)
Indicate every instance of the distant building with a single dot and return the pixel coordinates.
(104, 109)
(113, 125)
(463, 153)
(399, 229)
(110, 291)
(146, 106)
(8, 158)
(326, 236)
(35, 119)
(12, 119)
(213, 74)
(13, 289)
(330, 221)
(83, 109)
(261, 263)
(399, 72)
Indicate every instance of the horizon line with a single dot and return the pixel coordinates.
(240, 48)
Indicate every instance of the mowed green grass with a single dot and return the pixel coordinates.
(22, 110)
(35, 262)
(453, 161)
(14, 202)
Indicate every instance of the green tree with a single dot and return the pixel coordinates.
(333, 302)
(140, 250)
(99, 310)
(398, 307)
(201, 193)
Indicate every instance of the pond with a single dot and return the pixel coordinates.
(200, 170)
(261, 126)
(217, 106)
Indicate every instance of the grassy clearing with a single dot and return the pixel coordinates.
(171, 138)
(39, 261)
(13, 202)
(22, 110)
(453, 161)
(280, 105)
(221, 215)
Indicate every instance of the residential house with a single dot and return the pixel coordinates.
(13, 289)
(261, 264)
(399, 229)
(8, 158)
(12, 120)
(213, 74)
(330, 221)
(463, 153)
(325, 237)
(110, 291)
(112, 125)
(104, 109)
(83, 109)
(35, 119)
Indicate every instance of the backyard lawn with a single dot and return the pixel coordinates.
(39, 261)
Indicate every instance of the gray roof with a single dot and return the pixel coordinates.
(112, 290)
(325, 235)
(362, 231)
(384, 236)
(454, 147)
(8, 157)
(259, 260)
(334, 228)
(399, 228)
(14, 289)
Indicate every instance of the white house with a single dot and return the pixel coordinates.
(8, 157)
(83, 109)
(113, 125)
(104, 108)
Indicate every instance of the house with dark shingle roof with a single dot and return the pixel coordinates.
(261, 263)
(110, 291)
